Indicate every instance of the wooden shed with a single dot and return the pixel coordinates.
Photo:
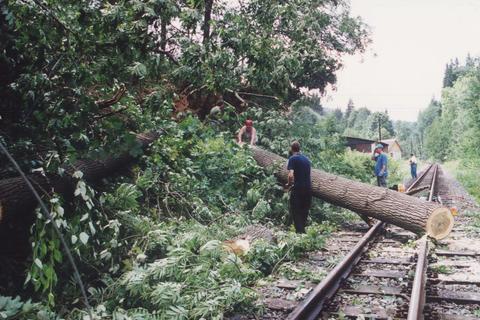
(393, 148)
(362, 145)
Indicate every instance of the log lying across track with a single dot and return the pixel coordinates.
(16, 199)
(393, 207)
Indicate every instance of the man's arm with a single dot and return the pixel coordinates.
(290, 167)
(290, 177)
(382, 171)
(254, 136)
(384, 165)
(240, 133)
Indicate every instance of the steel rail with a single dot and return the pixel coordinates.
(312, 306)
(432, 185)
(419, 178)
(418, 297)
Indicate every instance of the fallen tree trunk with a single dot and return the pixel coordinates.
(16, 198)
(393, 207)
(17, 204)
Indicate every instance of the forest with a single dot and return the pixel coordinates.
(148, 95)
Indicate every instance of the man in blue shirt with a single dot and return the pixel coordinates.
(381, 166)
(299, 168)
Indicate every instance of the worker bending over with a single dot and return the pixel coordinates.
(299, 179)
(247, 134)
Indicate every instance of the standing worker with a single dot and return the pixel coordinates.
(247, 133)
(413, 166)
(381, 166)
(299, 168)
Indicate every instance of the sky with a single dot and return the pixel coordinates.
(403, 67)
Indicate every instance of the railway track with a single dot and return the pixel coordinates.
(389, 275)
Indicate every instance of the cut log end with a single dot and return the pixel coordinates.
(439, 223)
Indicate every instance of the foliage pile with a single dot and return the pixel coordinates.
(151, 245)
(83, 76)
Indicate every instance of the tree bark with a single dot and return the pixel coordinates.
(163, 33)
(206, 21)
(17, 200)
(393, 207)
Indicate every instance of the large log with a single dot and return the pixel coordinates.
(16, 199)
(393, 207)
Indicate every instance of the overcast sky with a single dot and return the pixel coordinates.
(412, 41)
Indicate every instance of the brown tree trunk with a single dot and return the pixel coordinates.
(407, 212)
(206, 21)
(163, 33)
(17, 199)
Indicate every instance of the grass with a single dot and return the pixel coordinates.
(293, 272)
(476, 312)
(410, 244)
(442, 269)
(467, 175)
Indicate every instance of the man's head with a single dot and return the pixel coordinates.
(295, 147)
(379, 148)
(249, 125)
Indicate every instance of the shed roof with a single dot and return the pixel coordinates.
(354, 140)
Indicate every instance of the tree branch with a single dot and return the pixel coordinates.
(108, 102)
(104, 115)
(168, 54)
(258, 95)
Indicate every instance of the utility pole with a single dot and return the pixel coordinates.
(421, 143)
(379, 129)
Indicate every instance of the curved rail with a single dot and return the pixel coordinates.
(311, 307)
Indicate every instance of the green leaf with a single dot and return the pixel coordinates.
(84, 237)
(138, 69)
(38, 263)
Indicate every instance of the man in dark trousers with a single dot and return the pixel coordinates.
(413, 166)
(301, 191)
(381, 161)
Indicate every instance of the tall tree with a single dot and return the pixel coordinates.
(350, 107)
